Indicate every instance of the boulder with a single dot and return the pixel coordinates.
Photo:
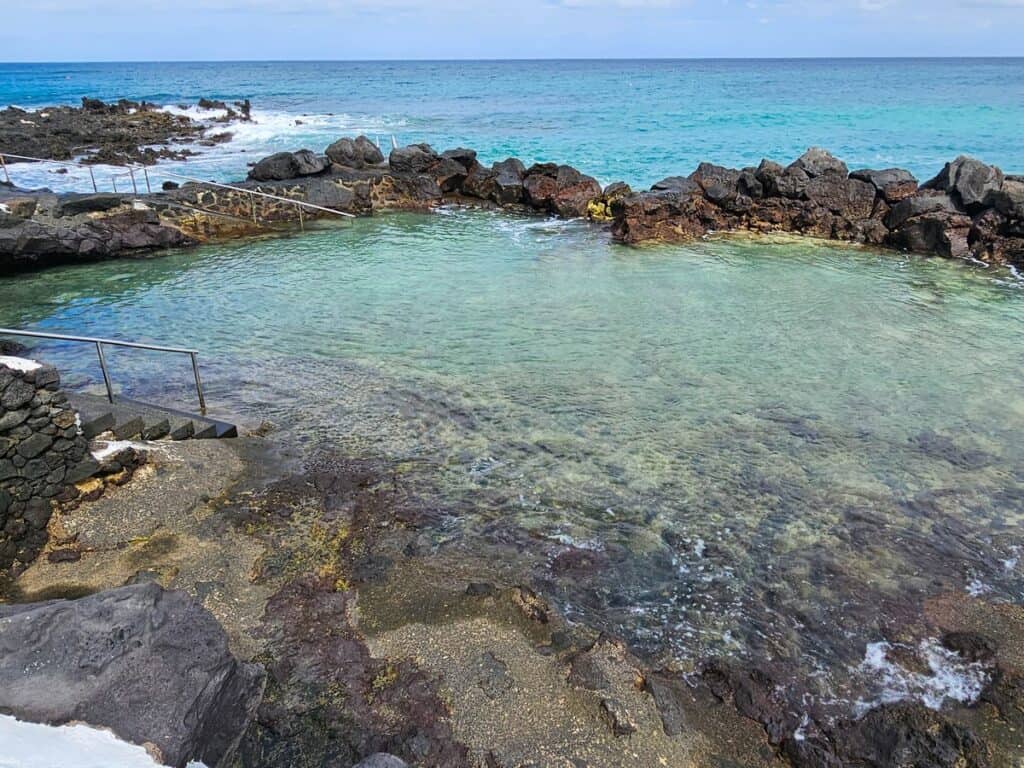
(1009, 199)
(508, 181)
(791, 183)
(938, 232)
(676, 185)
(449, 174)
(464, 157)
(152, 666)
(709, 175)
(480, 183)
(748, 184)
(415, 158)
(851, 198)
(968, 180)
(355, 153)
(918, 206)
(815, 162)
(561, 189)
(283, 166)
(892, 184)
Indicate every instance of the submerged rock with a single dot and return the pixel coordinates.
(153, 666)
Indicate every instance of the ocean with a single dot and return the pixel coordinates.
(636, 121)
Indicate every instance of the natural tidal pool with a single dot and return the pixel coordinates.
(771, 449)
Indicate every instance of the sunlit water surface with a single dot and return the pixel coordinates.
(770, 449)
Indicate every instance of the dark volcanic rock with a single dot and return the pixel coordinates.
(893, 184)
(153, 666)
(815, 162)
(415, 158)
(355, 153)
(74, 204)
(508, 181)
(464, 157)
(847, 197)
(918, 206)
(560, 189)
(1009, 199)
(676, 185)
(968, 180)
(288, 165)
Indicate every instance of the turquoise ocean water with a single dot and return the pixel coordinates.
(771, 449)
(636, 121)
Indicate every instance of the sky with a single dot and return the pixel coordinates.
(213, 30)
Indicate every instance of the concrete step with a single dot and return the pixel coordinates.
(131, 419)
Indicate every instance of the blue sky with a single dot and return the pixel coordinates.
(104, 30)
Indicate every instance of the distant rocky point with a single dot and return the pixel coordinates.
(115, 133)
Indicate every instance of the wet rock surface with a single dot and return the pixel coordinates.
(150, 665)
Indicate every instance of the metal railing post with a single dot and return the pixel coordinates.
(106, 373)
(6, 174)
(199, 384)
(302, 223)
(135, 189)
(113, 180)
(252, 205)
(92, 176)
(145, 173)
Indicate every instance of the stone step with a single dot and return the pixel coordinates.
(130, 419)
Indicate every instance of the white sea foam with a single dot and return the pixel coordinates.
(22, 364)
(31, 745)
(115, 446)
(950, 676)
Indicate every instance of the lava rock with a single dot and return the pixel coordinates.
(815, 162)
(968, 180)
(415, 158)
(355, 153)
(288, 165)
(152, 666)
(893, 184)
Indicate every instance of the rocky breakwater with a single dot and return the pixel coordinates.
(151, 665)
(969, 210)
(42, 454)
(352, 176)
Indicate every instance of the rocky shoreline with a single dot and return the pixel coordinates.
(969, 210)
(115, 133)
(371, 641)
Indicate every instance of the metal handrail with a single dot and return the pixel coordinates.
(192, 353)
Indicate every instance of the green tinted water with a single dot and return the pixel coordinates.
(764, 448)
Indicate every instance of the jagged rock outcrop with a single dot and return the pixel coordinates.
(152, 666)
(970, 210)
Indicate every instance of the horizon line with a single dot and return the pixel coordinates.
(498, 60)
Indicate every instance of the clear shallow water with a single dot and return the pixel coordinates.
(771, 449)
(633, 120)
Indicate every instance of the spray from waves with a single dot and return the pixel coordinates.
(269, 131)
